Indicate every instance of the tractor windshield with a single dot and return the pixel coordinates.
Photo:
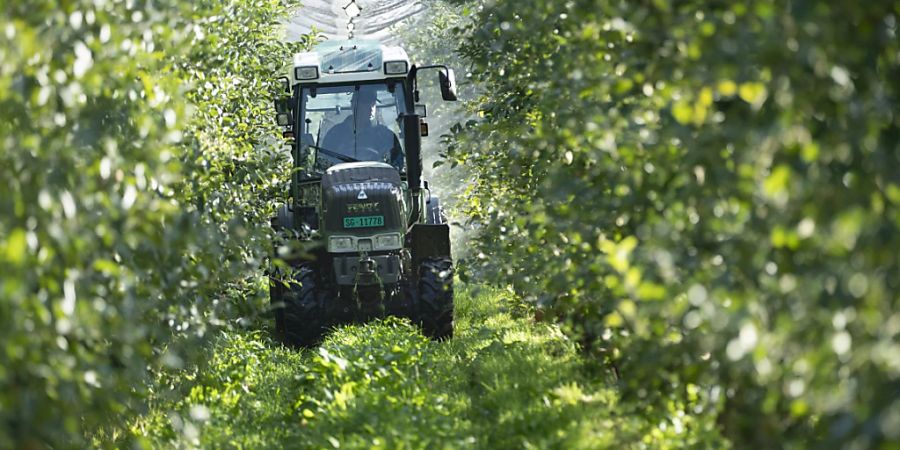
(351, 123)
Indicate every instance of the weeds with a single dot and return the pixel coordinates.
(504, 381)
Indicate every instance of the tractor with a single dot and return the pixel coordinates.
(362, 235)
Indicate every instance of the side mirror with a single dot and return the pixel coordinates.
(285, 84)
(283, 119)
(282, 104)
(448, 85)
(421, 111)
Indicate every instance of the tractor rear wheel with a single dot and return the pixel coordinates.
(435, 309)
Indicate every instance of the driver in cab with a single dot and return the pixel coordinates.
(361, 137)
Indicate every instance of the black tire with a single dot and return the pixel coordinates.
(283, 220)
(436, 298)
(305, 316)
(276, 301)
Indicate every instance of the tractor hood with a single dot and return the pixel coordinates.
(362, 199)
(360, 172)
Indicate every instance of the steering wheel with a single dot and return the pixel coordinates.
(368, 154)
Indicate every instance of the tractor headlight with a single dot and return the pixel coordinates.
(378, 243)
(306, 72)
(340, 244)
(395, 67)
(387, 241)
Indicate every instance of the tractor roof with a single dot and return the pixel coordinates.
(347, 61)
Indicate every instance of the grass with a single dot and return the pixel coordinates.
(504, 381)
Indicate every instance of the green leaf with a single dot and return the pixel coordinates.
(16, 247)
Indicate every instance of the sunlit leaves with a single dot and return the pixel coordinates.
(15, 247)
(107, 258)
(753, 93)
(731, 143)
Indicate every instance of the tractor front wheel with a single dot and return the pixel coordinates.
(305, 316)
(436, 298)
(276, 299)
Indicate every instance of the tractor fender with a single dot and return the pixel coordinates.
(284, 218)
(429, 241)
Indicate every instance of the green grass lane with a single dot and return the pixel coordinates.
(503, 382)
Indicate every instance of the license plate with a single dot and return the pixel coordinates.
(363, 222)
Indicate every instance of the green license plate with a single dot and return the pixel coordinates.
(363, 222)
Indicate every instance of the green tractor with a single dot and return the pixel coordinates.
(375, 240)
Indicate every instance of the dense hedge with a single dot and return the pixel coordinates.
(137, 179)
(708, 193)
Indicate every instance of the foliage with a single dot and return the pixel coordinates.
(502, 382)
(133, 207)
(430, 39)
(707, 192)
